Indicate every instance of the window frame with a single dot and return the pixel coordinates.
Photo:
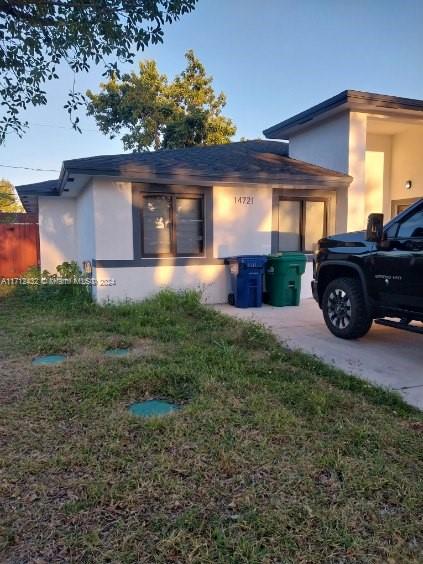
(173, 224)
(204, 193)
(402, 202)
(303, 217)
(199, 197)
(141, 212)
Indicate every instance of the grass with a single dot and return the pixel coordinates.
(274, 457)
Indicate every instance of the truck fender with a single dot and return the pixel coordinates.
(356, 268)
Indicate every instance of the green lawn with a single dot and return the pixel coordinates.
(274, 458)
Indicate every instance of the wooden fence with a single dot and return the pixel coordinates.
(19, 246)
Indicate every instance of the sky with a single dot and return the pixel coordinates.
(272, 59)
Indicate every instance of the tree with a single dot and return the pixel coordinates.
(153, 113)
(9, 201)
(36, 36)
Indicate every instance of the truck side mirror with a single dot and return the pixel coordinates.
(374, 232)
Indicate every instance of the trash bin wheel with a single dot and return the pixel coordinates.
(231, 299)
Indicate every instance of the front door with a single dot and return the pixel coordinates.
(398, 267)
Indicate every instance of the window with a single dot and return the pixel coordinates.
(302, 222)
(157, 225)
(172, 225)
(391, 232)
(412, 227)
(289, 225)
(398, 206)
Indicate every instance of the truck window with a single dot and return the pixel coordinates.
(412, 227)
(391, 232)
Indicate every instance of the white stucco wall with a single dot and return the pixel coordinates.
(407, 163)
(390, 160)
(241, 227)
(138, 283)
(85, 230)
(324, 144)
(113, 219)
(357, 141)
(98, 225)
(339, 143)
(378, 174)
(95, 224)
(57, 218)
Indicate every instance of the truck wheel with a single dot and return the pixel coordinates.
(344, 309)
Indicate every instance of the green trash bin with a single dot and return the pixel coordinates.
(283, 278)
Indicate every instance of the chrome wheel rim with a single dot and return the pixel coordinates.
(339, 309)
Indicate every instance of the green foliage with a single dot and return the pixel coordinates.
(155, 113)
(36, 37)
(69, 270)
(9, 201)
(68, 285)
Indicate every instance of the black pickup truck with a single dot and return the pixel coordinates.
(372, 275)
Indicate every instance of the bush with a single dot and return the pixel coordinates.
(68, 284)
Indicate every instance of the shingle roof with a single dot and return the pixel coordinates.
(28, 191)
(246, 161)
(45, 188)
(254, 161)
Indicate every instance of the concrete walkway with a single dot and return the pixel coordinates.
(385, 356)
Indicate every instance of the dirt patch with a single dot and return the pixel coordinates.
(138, 347)
(144, 347)
(15, 377)
(416, 426)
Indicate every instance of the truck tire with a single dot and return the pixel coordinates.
(344, 309)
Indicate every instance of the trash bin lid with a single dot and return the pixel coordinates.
(288, 256)
(283, 262)
(250, 261)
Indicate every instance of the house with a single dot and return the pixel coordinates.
(169, 218)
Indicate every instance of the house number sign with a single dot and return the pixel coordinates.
(244, 200)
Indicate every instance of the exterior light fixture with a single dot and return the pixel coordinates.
(408, 184)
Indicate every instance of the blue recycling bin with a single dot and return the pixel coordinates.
(247, 273)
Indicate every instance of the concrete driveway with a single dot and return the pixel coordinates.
(385, 356)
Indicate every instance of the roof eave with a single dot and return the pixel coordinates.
(352, 100)
(62, 178)
(35, 192)
(192, 180)
(275, 131)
